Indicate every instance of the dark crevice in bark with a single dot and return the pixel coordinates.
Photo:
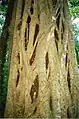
(58, 12)
(26, 40)
(63, 28)
(62, 31)
(68, 80)
(32, 1)
(18, 56)
(63, 12)
(18, 76)
(56, 34)
(54, 2)
(33, 55)
(61, 37)
(31, 10)
(47, 60)
(58, 20)
(50, 103)
(36, 33)
(34, 89)
(38, 17)
(28, 23)
(68, 113)
(28, 19)
(66, 59)
(35, 110)
(25, 33)
(21, 68)
(23, 4)
(25, 44)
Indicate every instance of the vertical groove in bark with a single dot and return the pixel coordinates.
(28, 23)
(26, 39)
(66, 60)
(23, 4)
(18, 57)
(31, 8)
(68, 80)
(62, 31)
(68, 113)
(18, 76)
(58, 20)
(47, 61)
(50, 103)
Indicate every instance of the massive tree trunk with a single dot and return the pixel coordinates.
(42, 67)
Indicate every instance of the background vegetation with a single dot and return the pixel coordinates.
(74, 11)
(4, 79)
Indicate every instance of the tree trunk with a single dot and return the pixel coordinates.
(6, 35)
(42, 66)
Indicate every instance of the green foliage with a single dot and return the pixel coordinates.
(3, 11)
(75, 31)
(74, 11)
(77, 51)
(4, 80)
(76, 40)
(74, 8)
(5, 69)
(74, 3)
(3, 88)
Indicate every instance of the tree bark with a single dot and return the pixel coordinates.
(41, 77)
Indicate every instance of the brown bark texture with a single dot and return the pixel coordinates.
(42, 79)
